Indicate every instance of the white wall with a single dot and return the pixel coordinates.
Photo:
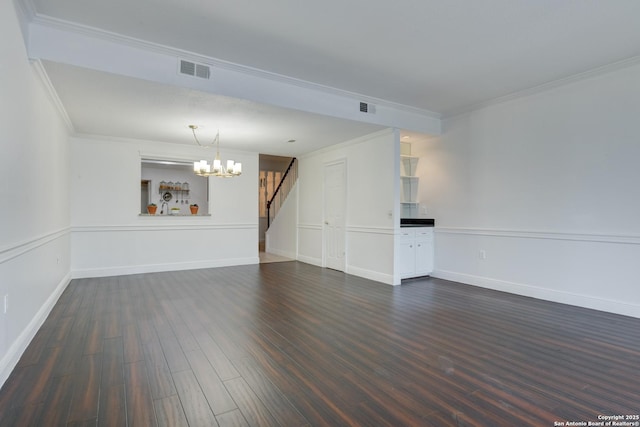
(34, 224)
(282, 236)
(109, 237)
(372, 179)
(547, 186)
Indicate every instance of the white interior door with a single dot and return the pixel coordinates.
(334, 215)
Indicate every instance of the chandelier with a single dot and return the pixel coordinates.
(202, 168)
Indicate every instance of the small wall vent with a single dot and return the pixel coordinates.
(367, 108)
(196, 70)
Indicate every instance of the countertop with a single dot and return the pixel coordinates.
(417, 222)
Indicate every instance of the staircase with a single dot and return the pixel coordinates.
(282, 191)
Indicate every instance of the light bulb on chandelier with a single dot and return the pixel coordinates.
(203, 168)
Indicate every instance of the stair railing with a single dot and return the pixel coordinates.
(282, 191)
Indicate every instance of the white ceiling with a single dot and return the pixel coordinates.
(437, 55)
(105, 104)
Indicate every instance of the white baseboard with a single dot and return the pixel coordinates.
(155, 268)
(278, 252)
(371, 275)
(17, 348)
(310, 260)
(617, 307)
(356, 271)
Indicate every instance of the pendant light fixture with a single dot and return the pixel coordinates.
(202, 168)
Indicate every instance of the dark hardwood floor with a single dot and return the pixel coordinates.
(289, 344)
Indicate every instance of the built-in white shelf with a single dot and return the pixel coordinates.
(409, 205)
(408, 165)
(409, 209)
(409, 189)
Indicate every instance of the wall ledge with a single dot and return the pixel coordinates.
(310, 226)
(549, 235)
(370, 230)
(179, 225)
(10, 252)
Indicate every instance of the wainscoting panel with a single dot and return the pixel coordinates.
(107, 251)
(310, 244)
(34, 274)
(587, 270)
(370, 253)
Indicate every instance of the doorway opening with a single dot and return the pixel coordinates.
(271, 172)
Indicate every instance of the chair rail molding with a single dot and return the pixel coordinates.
(550, 235)
(12, 251)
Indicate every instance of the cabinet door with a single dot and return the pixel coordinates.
(424, 254)
(407, 258)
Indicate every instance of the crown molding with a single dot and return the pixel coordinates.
(27, 9)
(40, 71)
(25, 12)
(94, 137)
(345, 144)
(97, 33)
(544, 87)
(29, 12)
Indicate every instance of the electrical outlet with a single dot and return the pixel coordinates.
(6, 303)
(482, 254)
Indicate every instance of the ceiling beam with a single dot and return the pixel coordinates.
(68, 43)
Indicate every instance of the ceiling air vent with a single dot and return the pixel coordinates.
(367, 108)
(196, 70)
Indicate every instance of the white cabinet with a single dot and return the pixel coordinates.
(407, 254)
(424, 252)
(416, 252)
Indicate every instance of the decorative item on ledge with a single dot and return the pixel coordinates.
(202, 168)
(152, 208)
(194, 209)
